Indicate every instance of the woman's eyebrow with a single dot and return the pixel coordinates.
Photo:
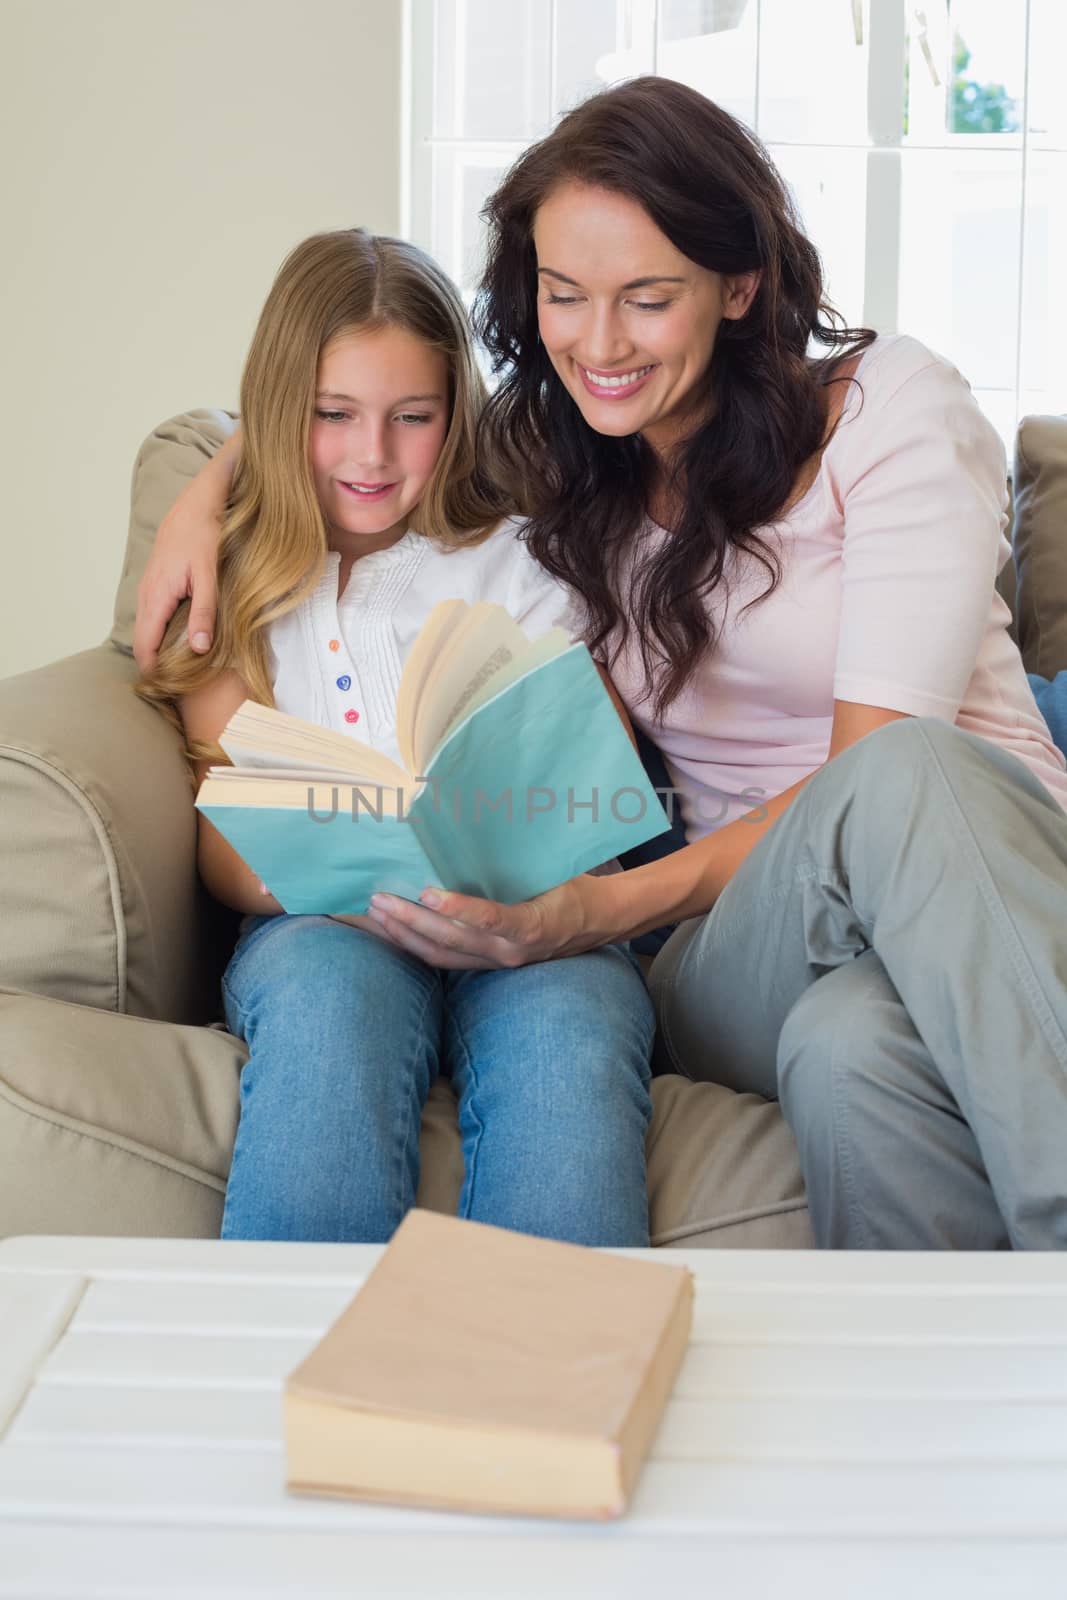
(405, 400)
(634, 283)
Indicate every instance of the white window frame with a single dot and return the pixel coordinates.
(887, 21)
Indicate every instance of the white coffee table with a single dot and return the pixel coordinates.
(856, 1426)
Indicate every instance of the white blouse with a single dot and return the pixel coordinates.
(337, 662)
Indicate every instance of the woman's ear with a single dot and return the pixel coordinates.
(738, 292)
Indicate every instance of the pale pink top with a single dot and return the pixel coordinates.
(886, 598)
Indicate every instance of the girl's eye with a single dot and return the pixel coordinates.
(414, 416)
(561, 300)
(330, 416)
(652, 305)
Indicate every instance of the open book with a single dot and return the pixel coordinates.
(517, 775)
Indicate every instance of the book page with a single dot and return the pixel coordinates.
(290, 793)
(487, 642)
(257, 775)
(444, 620)
(546, 648)
(262, 737)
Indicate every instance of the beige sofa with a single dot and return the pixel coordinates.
(118, 1083)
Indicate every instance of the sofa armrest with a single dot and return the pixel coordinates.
(1040, 543)
(168, 459)
(100, 901)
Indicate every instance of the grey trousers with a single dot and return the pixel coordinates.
(890, 963)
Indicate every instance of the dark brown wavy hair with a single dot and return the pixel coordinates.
(708, 184)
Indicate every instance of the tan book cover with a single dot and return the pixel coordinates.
(487, 1370)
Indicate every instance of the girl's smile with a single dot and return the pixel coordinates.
(368, 491)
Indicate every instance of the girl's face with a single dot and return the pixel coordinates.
(629, 323)
(381, 416)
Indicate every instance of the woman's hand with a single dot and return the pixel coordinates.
(184, 559)
(182, 563)
(364, 923)
(459, 930)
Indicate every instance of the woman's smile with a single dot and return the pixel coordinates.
(615, 386)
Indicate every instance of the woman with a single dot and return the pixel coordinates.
(790, 560)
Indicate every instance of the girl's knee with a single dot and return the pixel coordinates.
(604, 1053)
(601, 990)
(319, 958)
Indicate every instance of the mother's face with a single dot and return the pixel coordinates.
(629, 323)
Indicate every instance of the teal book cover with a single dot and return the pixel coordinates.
(538, 784)
(329, 854)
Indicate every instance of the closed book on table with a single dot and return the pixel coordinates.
(486, 1370)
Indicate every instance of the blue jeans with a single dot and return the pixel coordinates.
(549, 1063)
(1051, 697)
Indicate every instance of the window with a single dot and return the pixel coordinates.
(926, 146)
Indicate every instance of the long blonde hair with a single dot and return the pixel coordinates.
(274, 538)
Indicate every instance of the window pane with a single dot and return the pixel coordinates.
(600, 42)
(959, 258)
(1043, 354)
(1043, 346)
(830, 189)
(492, 69)
(1048, 51)
(966, 72)
(813, 74)
(711, 45)
(987, 81)
(462, 182)
(999, 407)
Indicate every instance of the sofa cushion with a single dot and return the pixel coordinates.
(171, 455)
(723, 1170)
(121, 1125)
(112, 1124)
(1040, 543)
(101, 900)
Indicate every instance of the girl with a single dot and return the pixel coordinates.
(790, 559)
(355, 507)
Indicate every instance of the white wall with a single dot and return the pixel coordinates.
(159, 159)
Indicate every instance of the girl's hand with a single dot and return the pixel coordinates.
(459, 930)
